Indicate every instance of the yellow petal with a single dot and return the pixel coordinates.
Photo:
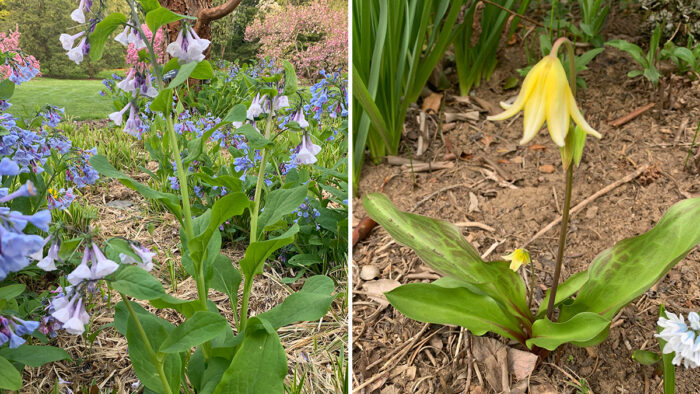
(528, 87)
(557, 89)
(578, 118)
(534, 115)
(514, 265)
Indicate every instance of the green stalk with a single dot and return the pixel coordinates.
(154, 357)
(569, 181)
(248, 284)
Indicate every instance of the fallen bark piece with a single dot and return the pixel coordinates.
(424, 167)
(362, 230)
(632, 115)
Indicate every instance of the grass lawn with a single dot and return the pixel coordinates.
(79, 97)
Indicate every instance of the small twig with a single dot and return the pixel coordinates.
(632, 115)
(362, 230)
(588, 200)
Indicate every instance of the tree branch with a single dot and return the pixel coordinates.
(207, 15)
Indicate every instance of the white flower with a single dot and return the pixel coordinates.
(255, 108)
(118, 117)
(128, 84)
(300, 119)
(76, 324)
(281, 102)
(144, 254)
(133, 124)
(82, 271)
(130, 36)
(64, 311)
(78, 15)
(188, 47)
(307, 151)
(48, 263)
(78, 52)
(68, 41)
(103, 266)
(680, 339)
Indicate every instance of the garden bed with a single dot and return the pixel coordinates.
(502, 193)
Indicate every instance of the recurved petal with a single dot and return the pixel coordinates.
(578, 118)
(557, 110)
(529, 85)
(534, 115)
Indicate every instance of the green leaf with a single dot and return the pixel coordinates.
(227, 181)
(579, 330)
(237, 114)
(279, 203)
(634, 50)
(149, 5)
(646, 357)
(163, 102)
(225, 278)
(34, 356)
(201, 327)
(260, 364)
(212, 375)
(98, 38)
(290, 78)
(442, 246)
(634, 73)
(159, 17)
(203, 71)
(564, 291)
(7, 89)
(431, 303)
(11, 291)
(182, 75)
(308, 304)
(136, 282)
(230, 205)
(11, 379)
(156, 330)
(573, 147)
(620, 274)
(258, 252)
(186, 307)
(667, 360)
(255, 139)
(103, 166)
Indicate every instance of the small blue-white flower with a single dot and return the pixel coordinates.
(681, 339)
(306, 151)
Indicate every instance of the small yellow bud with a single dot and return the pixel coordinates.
(517, 258)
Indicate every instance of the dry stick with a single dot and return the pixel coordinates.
(588, 200)
(632, 115)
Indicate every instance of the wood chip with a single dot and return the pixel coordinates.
(432, 103)
(546, 169)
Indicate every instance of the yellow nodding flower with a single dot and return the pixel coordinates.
(546, 95)
(517, 258)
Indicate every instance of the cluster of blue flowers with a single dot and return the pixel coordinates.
(329, 95)
(262, 67)
(12, 329)
(307, 214)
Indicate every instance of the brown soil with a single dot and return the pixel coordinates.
(393, 354)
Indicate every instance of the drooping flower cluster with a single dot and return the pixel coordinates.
(17, 66)
(145, 256)
(307, 214)
(130, 39)
(16, 247)
(188, 47)
(681, 338)
(329, 95)
(79, 171)
(13, 328)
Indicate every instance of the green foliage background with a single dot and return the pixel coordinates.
(41, 22)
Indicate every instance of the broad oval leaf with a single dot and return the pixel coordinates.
(99, 36)
(257, 252)
(430, 303)
(11, 291)
(10, 378)
(161, 16)
(34, 356)
(201, 327)
(279, 203)
(442, 246)
(620, 274)
(136, 282)
(580, 329)
(260, 364)
(308, 304)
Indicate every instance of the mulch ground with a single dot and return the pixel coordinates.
(504, 193)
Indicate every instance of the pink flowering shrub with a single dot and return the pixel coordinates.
(313, 36)
(132, 55)
(17, 66)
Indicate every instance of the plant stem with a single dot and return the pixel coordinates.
(692, 145)
(154, 357)
(569, 183)
(248, 285)
(532, 285)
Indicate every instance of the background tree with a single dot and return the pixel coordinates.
(42, 22)
(205, 10)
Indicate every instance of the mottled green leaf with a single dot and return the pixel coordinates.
(622, 273)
